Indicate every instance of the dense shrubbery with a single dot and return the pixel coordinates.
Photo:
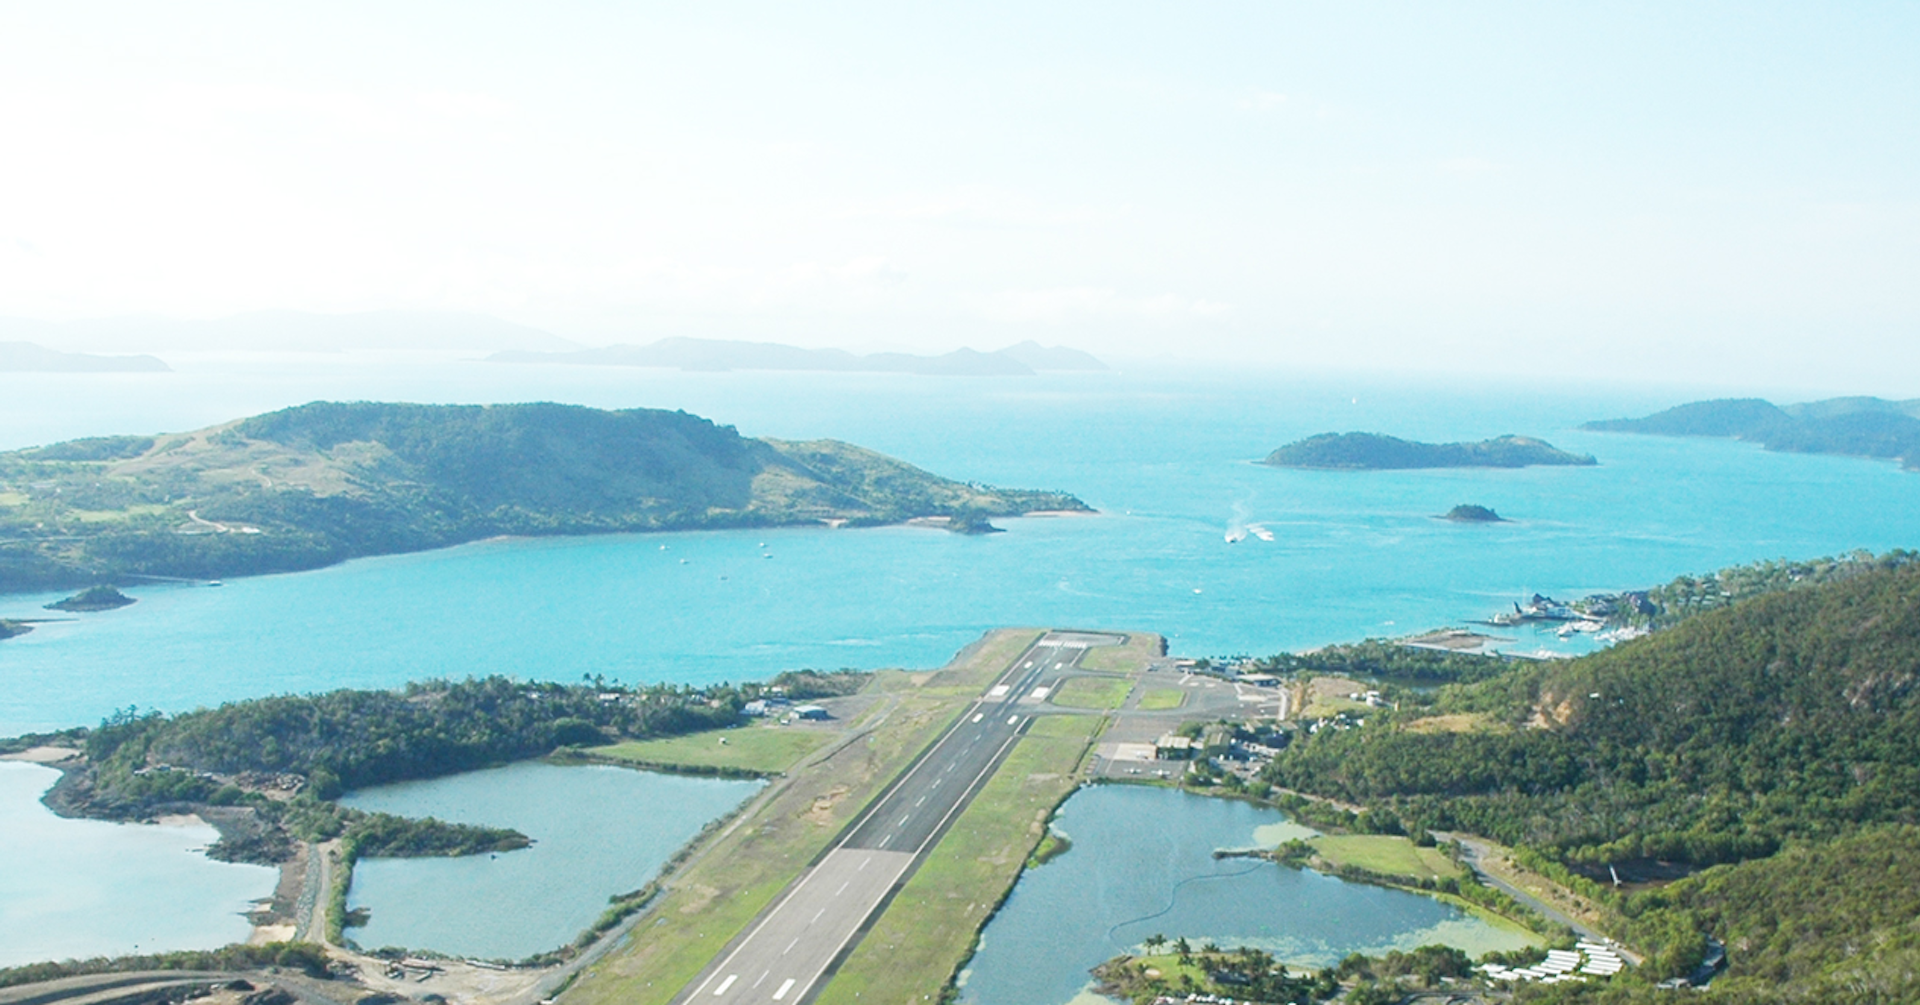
(1391, 661)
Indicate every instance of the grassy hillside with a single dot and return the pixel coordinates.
(323, 482)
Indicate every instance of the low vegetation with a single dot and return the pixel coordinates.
(1093, 692)
(753, 750)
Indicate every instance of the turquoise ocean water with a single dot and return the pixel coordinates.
(1166, 458)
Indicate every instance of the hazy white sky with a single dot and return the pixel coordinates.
(1730, 190)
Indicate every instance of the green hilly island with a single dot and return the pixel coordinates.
(1768, 751)
(320, 483)
(1854, 426)
(1376, 452)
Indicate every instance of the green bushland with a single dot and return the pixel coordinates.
(307, 957)
(1159, 699)
(1787, 720)
(320, 483)
(1389, 660)
(1093, 692)
(927, 932)
(758, 749)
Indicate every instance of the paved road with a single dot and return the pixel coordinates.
(790, 946)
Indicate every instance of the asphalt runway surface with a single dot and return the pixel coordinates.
(790, 946)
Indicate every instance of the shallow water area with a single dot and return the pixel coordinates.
(82, 888)
(1142, 864)
(598, 831)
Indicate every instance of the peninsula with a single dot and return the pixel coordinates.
(1376, 452)
(1854, 427)
(324, 482)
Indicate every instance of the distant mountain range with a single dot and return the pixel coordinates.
(308, 486)
(1024, 359)
(1375, 452)
(1856, 426)
(26, 357)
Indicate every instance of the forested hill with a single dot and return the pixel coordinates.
(1794, 714)
(327, 481)
(1779, 736)
(1375, 452)
(1858, 426)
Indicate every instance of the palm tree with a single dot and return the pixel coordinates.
(1154, 941)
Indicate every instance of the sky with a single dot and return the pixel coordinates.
(1725, 192)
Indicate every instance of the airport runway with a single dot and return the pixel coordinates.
(790, 946)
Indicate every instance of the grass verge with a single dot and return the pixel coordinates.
(1160, 699)
(761, 749)
(1386, 855)
(1093, 692)
(928, 931)
(1129, 658)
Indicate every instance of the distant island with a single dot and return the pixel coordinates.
(93, 598)
(26, 357)
(1855, 427)
(321, 483)
(1023, 360)
(1471, 513)
(1374, 452)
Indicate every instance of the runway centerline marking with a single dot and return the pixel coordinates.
(790, 945)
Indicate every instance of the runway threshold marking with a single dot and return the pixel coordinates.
(784, 988)
(724, 985)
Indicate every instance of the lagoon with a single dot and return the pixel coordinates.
(598, 831)
(1142, 864)
(81, 888)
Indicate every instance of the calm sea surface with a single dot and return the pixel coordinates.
(1165, 456)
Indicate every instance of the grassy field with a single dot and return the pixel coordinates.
(1159, 699)
(1129, 658)
(1093, 692)
(766, 749)
(1384, 854)
(928, 930)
